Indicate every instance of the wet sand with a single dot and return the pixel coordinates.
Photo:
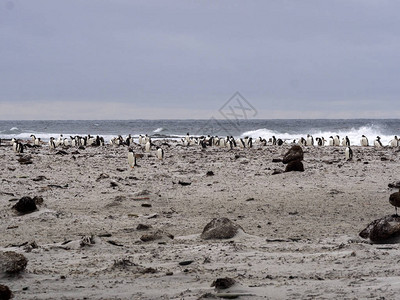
(301, 228)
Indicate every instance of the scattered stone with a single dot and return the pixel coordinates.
(113, 184)
(223, 283)
(184, 183)
(210, 173)
(5, 292)
(102, 176)
(157, 235)
(146, 205)
(169, 273)
(220, 228)
(39, 178)
(143, 227)
(250, 199)
(61, 152)
(294, 154)
(12, 262)
(114, 243)
(295, 165)
(277, 171)
(394, 199)
(25, 160)
(276, 160)
(394, 185)
(185, 263)
(25, 205)
(383, 230)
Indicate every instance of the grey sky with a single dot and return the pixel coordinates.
(183, 59)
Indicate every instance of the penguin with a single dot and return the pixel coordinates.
(249, 143)
(310, 140)
(364, 141)
(302, 141)
(222, 143)
(273, 140)
(348, 153)
(233, 141)
(33, 137)
(187, 137)
(203, 144)
(65, 142)
(331, 141)
(229, 144)
(377, 142)
(160, 153)
(394, 142)
(147, 147)
(347, 141)
(52, 144)
(14, 144)
(241, 143)
(336, 140)
(128, 140)
(319, 141)
(131, 158)
(279, 142)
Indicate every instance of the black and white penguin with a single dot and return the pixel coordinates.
(336, 140)
(128, 140)
(377, 142)
(273, 140)
(310, 140)
(52, 144)
(331, 141)
(319, 141)
(147, 146)
(364, 141)
(160, 153)
(348, 153)
(241, 143)
(131, 158)
(249, 143)
(394, 142)
(347, 141)
(279, 142)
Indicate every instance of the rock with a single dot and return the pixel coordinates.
(277, 171)
(276, 160)
(184, 183)
(296, 165)
(394, 199)
(394, 185)
(223, 283)
(383, 230)
(143, 227)
(185, 263)
(294, 153)
(25, 205)
(210, 173)
(12, 262)
(5, 292)
(157, 235)
(220, 228)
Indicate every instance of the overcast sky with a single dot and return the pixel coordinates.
(98, 59)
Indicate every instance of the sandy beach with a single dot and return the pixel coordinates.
(300, 238)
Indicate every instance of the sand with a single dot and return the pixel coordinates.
(300, 238)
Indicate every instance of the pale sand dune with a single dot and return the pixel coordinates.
(301, 229)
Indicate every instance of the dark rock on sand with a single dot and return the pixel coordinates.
(157, 235)
(25, 205)
(394, 199)
(294, 153)
(143, 227)
(223, 283)
(394, 185)
(210, 173)
(383, 230)
(220, 228)
(276, 160)
(25, 160)
(5, 292)
(12, 262)
(296, 165)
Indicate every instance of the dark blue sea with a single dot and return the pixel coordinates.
(174, 129)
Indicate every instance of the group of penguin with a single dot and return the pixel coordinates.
(73, 141)
(144, 140)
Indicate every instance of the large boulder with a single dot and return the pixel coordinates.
(220, 228)
(26, 204)
(5, 292)
(383, 230)
(295, 165)
(294, 153)
(12, 262)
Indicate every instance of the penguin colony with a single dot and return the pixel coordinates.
(145, 142)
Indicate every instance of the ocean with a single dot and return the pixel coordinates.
(288, 129)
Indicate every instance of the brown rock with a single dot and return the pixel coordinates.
(220, 228)
(294, 153)
(157, 235)
(5, 292)
(12, 262)
(223, 283)
(383, 230)
(296, 165)
(25, 205)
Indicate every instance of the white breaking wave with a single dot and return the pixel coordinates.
(158, 130)
(354, 134)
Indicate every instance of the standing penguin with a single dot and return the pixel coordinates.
(377, 142)
(331, 141)
(310, 140)
(148, 146)
(347, 141)
(52, 144)
(364, 141)
(160, 153)
(348, 153)
(131, 158)
(394, 142)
